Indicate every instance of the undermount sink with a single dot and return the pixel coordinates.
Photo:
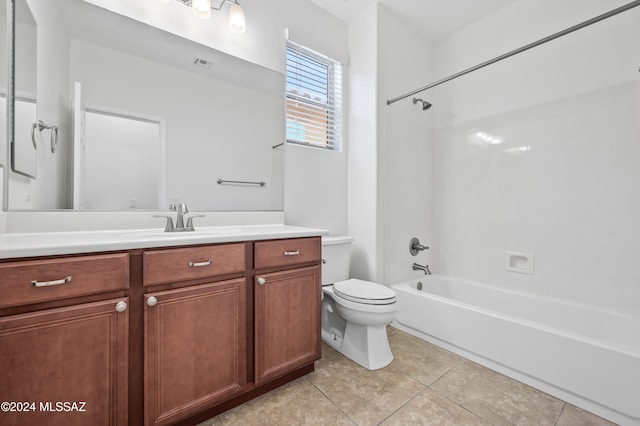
(160, 233)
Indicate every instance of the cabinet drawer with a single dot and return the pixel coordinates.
(34, 281)
(165, 266)
(294, 251)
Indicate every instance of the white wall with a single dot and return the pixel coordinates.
(316, 188)
(363, 208)
(315, 180)
(390, 147)
(404, 63)
(539, 154)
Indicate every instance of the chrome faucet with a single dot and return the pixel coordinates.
(415, 247)
(424, 268)
(181, 209)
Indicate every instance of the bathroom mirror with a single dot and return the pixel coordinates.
(22, 142)
(103, 78)
(3, 87)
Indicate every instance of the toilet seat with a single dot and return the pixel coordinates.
(364, 292)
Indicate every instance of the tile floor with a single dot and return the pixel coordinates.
(424, 385)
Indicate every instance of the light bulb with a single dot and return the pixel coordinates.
(237, 24)
(201, 8)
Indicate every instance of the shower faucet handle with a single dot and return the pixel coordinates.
(415, 247)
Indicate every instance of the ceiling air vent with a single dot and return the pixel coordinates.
(202, 63)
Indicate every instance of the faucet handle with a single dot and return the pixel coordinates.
(415, 247)
(169, 226)
(190, 222)
(182, 208)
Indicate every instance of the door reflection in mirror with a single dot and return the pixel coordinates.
(122, 160)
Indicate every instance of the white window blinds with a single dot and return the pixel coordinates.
(314, 98)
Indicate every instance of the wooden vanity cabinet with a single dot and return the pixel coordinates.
(194, 336)
(156, 337)
(65, 365)
(287, 306)
(214, 345)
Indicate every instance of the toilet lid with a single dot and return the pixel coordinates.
(364, 292)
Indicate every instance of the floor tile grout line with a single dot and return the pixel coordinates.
(425, 387)
(560, 413)
(511, 379)
(458, 361)
(403, 405)
(331, 401)
(497, 373)
(468, 410)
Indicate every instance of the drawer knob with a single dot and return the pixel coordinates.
(197, 264)
(262, 281)
(50, 283)
(121, 306)
(292, 253)
(152, 301)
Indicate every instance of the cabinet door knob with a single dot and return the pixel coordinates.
(152, 301)
(121, 306)
(262, 281)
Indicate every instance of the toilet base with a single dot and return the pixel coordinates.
(366, 345)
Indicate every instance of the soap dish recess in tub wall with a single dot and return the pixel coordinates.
(519, 262)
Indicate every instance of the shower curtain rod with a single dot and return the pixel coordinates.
(521, 49)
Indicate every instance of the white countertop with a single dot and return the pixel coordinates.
(56, 243)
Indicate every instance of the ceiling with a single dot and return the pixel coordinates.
(430, 18)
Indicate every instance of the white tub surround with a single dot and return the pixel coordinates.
(68, 242)
(583, 354)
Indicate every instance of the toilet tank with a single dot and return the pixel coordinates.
(336, 254)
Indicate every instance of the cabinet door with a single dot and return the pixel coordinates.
(195, 349)
(287, 321)
(66, 366)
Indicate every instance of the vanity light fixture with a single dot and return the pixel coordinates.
(202, 9)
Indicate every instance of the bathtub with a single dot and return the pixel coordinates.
(584, 355)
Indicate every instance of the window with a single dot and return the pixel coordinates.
(314, 98)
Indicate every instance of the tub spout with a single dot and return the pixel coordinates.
(424, 268)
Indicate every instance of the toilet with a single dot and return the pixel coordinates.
(355, 313)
